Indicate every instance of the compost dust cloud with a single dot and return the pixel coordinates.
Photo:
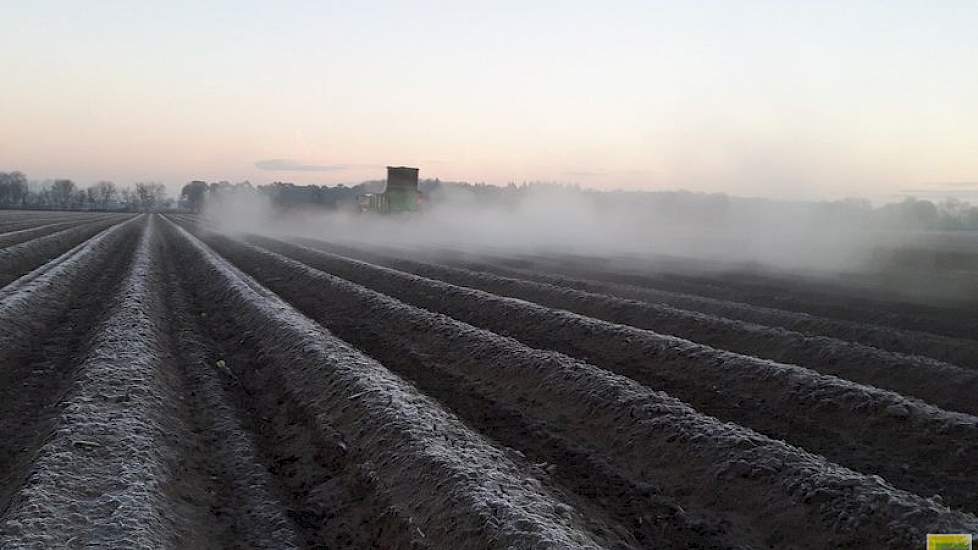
(557, 221)
(685, 231)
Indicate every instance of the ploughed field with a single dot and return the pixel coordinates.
(163, 385)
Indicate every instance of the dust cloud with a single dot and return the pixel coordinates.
(846, 241)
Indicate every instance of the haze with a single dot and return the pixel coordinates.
(762, 98)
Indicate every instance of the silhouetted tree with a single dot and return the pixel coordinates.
(13, 190)
(128, 199)
(150, 195)
(194, 194)
(62, 193)
(102, 194)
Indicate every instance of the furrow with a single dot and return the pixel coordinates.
(36, 218)
(24, 235)
(330, 501)
(31, 222)
(100, 479)
(234, 495)
(36, 368)
(943, 348)
(457, 489)
(19, 260)
(30, 306)
(122, 466)
(620, 420)
(915, 446)
(942, 384)
(767, 291)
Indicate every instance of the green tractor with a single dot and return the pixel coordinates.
(401, 194)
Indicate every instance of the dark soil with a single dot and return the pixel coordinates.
(435, 349)
(963, 352)
(913, 445)
(18, 260)
(164, 390)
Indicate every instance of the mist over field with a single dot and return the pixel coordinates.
(693, 231)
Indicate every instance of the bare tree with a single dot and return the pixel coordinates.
(194, 193)
(150, 195)
(103, 193)
(13, 189)
(127, 198)
(19, 191)
(77, 201)
(62, 193)
(90, 200)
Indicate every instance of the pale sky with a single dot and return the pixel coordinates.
(788, 100)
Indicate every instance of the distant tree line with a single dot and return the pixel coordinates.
(16, 191)
(909, 213)
(284, 195)
(287, 195)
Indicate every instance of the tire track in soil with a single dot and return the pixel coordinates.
(915, 446)
(448, 484)
(438, 344)
(941, 384)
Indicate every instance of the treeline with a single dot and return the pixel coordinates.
(16, 191)
(671, 206)
(289, 195)
(282, 195)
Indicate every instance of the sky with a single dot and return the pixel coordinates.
(796, 100)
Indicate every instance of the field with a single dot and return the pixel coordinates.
(163, 385)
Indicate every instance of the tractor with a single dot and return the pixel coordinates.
(401, 194)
